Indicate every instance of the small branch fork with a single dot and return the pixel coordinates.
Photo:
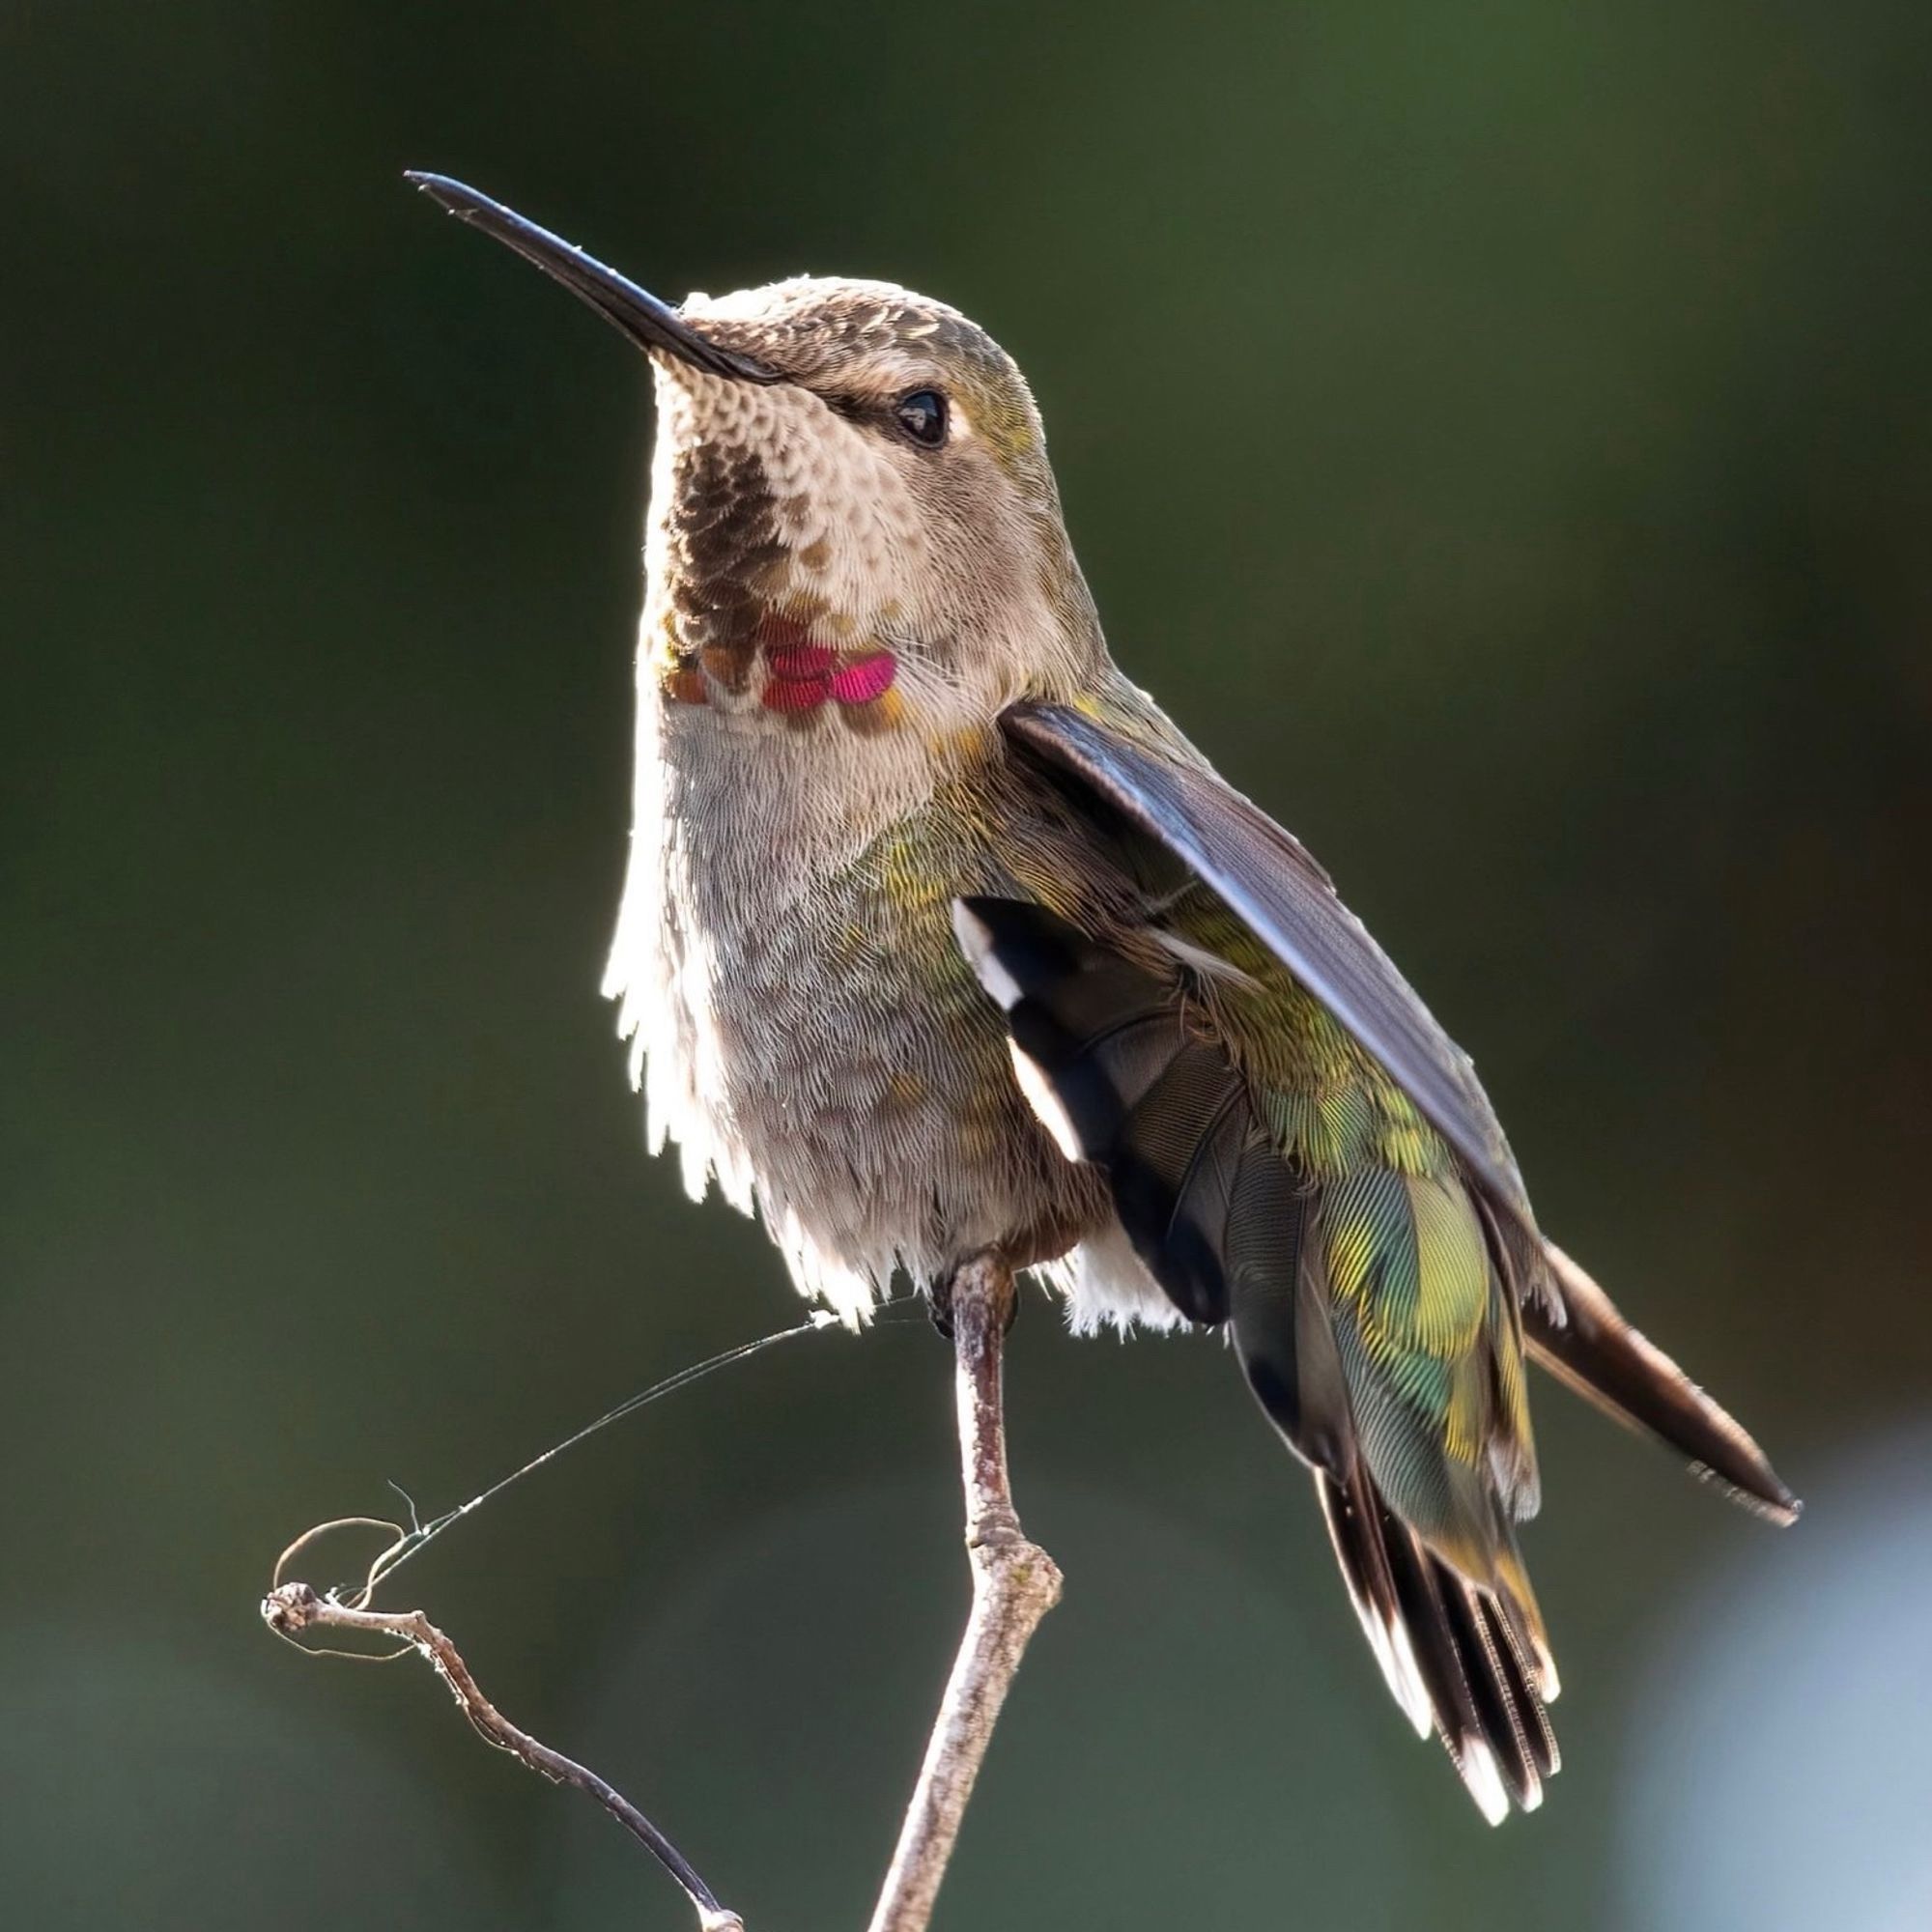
(1014, 1584)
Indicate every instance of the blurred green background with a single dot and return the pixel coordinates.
(1502, 436)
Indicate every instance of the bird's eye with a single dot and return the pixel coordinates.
(922, 414)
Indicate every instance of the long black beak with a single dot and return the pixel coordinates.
(638, 314)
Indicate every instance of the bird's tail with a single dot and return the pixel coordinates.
(1468, 1662)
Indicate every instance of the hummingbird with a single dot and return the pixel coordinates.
(938, 937)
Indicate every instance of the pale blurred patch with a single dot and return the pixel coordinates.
(1779, 1756)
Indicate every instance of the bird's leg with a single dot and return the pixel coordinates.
(939, 1308)
(939, 1304)
(1014, 1584)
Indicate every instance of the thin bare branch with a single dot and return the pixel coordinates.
(290, 1608)
(1014, 1584)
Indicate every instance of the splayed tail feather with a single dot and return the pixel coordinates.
(1466, 1663)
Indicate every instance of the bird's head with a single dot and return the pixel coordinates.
(853, 517)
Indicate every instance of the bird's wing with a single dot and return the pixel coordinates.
(1594, 1350)
(1268, 878)
(1363, 1304)
(1125, 757)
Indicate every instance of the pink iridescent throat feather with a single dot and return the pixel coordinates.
(801, 674)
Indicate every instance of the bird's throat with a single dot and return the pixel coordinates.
(805, 669)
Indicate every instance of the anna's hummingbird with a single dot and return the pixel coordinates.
(938, 936)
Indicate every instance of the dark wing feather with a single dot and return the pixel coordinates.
(1592, 1350)
(1266, 876)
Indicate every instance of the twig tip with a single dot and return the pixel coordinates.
(289, 1607)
